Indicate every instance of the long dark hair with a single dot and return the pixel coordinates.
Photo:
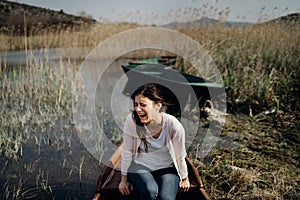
(151, 91)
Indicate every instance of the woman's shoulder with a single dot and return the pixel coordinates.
(129, 125)
(129, 115)
(129, 118)
(171, 119)
(173, 126)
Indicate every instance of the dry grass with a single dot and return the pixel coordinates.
(260, 63)
(262, 162)
(86, 36)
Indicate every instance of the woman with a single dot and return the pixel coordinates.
(153, 157)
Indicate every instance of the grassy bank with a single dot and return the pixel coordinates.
(63, 36)
(260, 63)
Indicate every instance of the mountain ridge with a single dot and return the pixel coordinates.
(205, 22)
(290, 19)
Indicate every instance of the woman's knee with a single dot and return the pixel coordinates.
(149, 192)
(144, 184)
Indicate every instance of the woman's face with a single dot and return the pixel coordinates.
(146, 109)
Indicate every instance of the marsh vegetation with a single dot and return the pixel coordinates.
(257, 158)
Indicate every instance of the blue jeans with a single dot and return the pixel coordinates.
(154, 185)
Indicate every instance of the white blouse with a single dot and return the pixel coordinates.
(174, 139)
(158, 155)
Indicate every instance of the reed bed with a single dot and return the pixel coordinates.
(260, 63)
(33, 97)
(64, 37)
(36, 108)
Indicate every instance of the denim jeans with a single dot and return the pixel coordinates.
(154, 185)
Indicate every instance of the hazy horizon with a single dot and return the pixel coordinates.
(162, 12)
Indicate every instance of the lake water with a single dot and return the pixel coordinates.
(54, 164)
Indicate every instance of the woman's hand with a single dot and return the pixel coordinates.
(124, 186)
(184, 185)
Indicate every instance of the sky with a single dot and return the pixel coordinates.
(166, 11)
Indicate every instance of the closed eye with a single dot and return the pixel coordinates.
(141, 104)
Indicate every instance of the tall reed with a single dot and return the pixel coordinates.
(260, 63)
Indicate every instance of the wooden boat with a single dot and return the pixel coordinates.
(110, 177)
(158, 70)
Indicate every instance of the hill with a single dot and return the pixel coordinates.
(204, 22)
(14, 16)
(290, 20)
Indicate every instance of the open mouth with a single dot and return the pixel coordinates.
(143, 116)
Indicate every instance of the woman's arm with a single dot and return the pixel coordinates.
(178, 141)
(128, 141)
(126, 154)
